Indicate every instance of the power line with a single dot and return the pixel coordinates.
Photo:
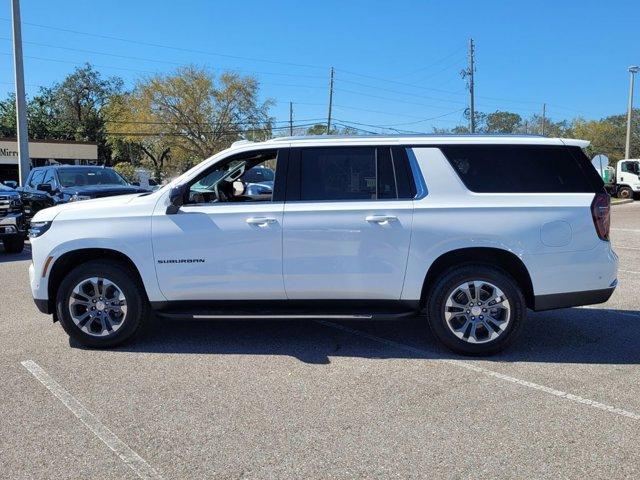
(168, 62)
(169, 47)
(436, 62)
(437, 99)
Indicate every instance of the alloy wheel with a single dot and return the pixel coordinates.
(477, 311)
(97, 306)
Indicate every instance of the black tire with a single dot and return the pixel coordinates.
(13, 245)
(136, 302)
(437, 298)
(625, 192)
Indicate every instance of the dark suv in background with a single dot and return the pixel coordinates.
(12, 220)
(52, 185)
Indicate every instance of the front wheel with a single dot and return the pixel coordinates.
(625, 192)
(476, 309)
(101, 304)
(13, 244)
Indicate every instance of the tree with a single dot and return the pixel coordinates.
(501, 122)
(78, 103)
(605, 136)
(321, 129)
(189, 115)
(127, 170)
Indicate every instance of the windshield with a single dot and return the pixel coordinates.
(79, 177)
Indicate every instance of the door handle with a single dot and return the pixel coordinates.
(380, 219)
(260, 221)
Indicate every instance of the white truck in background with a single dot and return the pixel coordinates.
(623, 181)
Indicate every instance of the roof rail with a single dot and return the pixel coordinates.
(241, 142)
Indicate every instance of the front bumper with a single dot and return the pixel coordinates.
(12, 225)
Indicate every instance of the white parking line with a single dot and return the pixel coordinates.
(634, 230)
(628, 271)
(485, 371)
(625, 248)
(126, 454)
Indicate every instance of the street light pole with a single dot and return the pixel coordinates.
(627, 149)
(21, 107)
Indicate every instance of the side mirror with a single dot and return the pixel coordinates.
(44, 187)
(176, 199)
(11, 183)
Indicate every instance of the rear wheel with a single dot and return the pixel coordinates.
(476, 309)
(13, 245)
(101, 304)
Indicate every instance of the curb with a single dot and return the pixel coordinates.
(622, 202)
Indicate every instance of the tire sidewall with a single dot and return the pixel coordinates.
(121, 276)
(456, 276)
(628, 193)
(13, 245)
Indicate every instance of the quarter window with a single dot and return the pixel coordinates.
(519, 169)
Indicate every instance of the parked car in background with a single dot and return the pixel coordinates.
(468, 231)
(53, 185)
(258, 181)
(13, 225)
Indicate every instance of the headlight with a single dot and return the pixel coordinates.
(16, 205)
(38, 228)
(77, 198)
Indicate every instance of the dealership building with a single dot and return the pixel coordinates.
(45, 152)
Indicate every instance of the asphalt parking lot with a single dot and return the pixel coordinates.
(325, 399)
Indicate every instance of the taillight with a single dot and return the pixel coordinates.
(601, 213)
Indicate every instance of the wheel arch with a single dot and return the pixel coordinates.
(71, 259)
(503, 259)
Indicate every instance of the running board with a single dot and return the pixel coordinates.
(286, 310)
(230, 316)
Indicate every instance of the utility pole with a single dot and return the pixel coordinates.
(291, 118)
(469, 72)
(544, 117)
(330, 101)
(21, 107)
(627, 148)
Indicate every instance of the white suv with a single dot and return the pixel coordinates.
(469, 231)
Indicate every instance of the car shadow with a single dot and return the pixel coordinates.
(15, 257)
(575, 335)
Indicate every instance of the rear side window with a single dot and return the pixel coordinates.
(520, 169)
(350, 173)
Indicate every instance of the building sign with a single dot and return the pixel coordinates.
(6, 152)
(42, 151)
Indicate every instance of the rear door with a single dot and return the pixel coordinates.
(347, 223)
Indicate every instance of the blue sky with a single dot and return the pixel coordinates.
(397, 63)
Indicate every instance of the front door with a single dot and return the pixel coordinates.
(225, 243)
(347, 230)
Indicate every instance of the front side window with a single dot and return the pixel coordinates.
(80, 177)
(36, 178)
(50, 177)
(631, 167)
(250, 178)
(346, 173)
